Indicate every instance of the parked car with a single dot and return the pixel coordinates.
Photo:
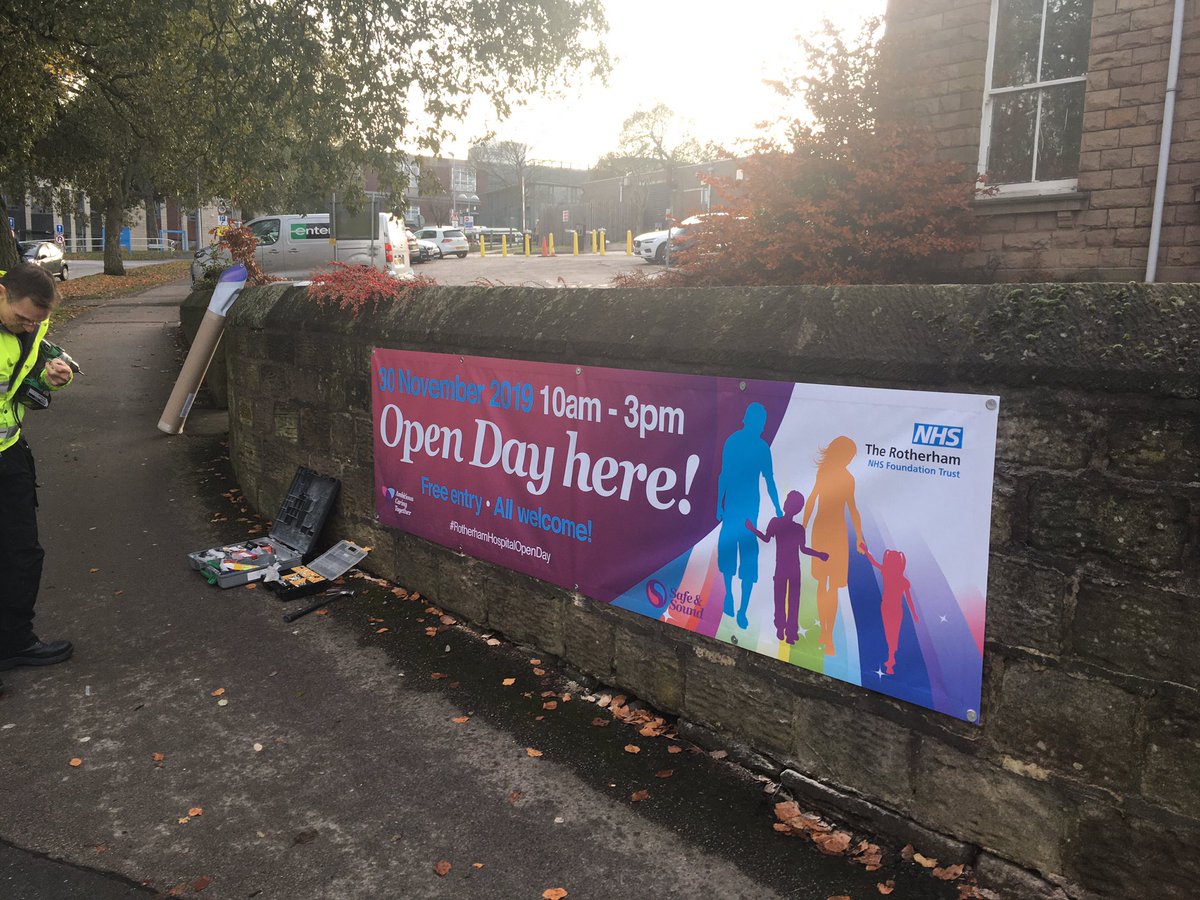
(292, 247)
(45, 255)
(652, 246)
(448, 240)
(421, 250)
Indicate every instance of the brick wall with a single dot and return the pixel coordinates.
(936, 54)
(1084, 769)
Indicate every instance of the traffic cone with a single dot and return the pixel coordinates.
(544, 253)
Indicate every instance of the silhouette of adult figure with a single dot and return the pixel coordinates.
(745, 459)
(832, 495)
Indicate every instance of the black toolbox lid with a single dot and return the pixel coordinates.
(307, 505)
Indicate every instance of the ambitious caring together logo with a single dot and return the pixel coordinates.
(931, 435)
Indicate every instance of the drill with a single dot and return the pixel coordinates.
(31, 394)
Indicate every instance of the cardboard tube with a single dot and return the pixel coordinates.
(204, 347)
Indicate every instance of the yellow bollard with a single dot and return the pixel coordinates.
(593, 240)
(629, 243)
(603, 241)
(526, 245)
(575, 242)
(504, 245)
(482, 245)
(551, 244)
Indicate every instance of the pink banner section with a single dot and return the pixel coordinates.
(820, 525)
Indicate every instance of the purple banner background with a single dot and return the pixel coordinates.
(626, 538)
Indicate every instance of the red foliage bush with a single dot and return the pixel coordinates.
(353, 287)
(241, 244)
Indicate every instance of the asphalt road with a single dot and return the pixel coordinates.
(564, 270)
(197, 743)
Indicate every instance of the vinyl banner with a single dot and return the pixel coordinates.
(840, 529)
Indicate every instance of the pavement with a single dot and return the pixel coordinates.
(224, 753)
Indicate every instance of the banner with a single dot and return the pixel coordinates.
(840, 529)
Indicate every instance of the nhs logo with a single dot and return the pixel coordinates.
(937, 435)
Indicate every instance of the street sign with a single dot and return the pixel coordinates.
(58, 239)
(566, 215)
(58, 229)
(222, 220)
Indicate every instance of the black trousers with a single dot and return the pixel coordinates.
(20, 553)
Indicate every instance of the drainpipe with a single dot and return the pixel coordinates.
(1164, 147)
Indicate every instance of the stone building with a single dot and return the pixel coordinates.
(1061, 104)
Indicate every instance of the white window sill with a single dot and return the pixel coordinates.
(1011, 203)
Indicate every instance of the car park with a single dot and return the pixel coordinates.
(46, 255)
(448, 240)
(292, 247)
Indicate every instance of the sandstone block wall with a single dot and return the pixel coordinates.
(1085, 767)
(937, 54)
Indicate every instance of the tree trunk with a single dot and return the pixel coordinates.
(153, 229)
(113, 213)
(9, 255)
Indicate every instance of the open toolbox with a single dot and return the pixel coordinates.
(318, 575)
(296, 528)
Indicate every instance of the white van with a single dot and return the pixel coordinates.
(293, 247)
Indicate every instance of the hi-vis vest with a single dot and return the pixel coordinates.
(11, 412)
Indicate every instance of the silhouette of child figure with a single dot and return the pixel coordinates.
(790, 542)
(895, 586)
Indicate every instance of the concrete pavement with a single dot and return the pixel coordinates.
(335, 767)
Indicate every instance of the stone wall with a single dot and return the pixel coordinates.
(1085, 767)
(937, 53)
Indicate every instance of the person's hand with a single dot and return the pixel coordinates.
(57, 372)
(862, 547)
(824, 557)
(749, 525)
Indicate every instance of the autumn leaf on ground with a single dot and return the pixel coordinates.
(535, 662)
(924, 861)
(201, 883)
(515, 796)
(476, 865)
(158, 757)
(539, 672)
(632, 748)
(196, 811)
(550, 704)
(718, 754)
(509, 682)
(532, 752)
(307, 836)
(886, 887)
(322, 612)
(431, 631)
(554, 893)
(442, 868)
(674, 748)
(75, 763)
(218, 692)
(639, 796)
(949, 873)
(448, 620)
(384, 630)
(492, 642)
(252, 587)
(118, 593)
(93, 571)
(600, 723)
(906, 852)
(833, 843)
(438, 675)
(838, 897)
(869, 855)
(459, 720)
(665, 773)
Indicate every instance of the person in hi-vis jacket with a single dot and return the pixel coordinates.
(27, 297)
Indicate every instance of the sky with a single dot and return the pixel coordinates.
(705, 59)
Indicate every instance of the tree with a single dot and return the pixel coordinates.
(506, 163)
(263, 101)
(658, 134)
(843, 197)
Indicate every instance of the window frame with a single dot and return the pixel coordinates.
(990, 95)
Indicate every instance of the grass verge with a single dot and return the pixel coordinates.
(107, 287)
